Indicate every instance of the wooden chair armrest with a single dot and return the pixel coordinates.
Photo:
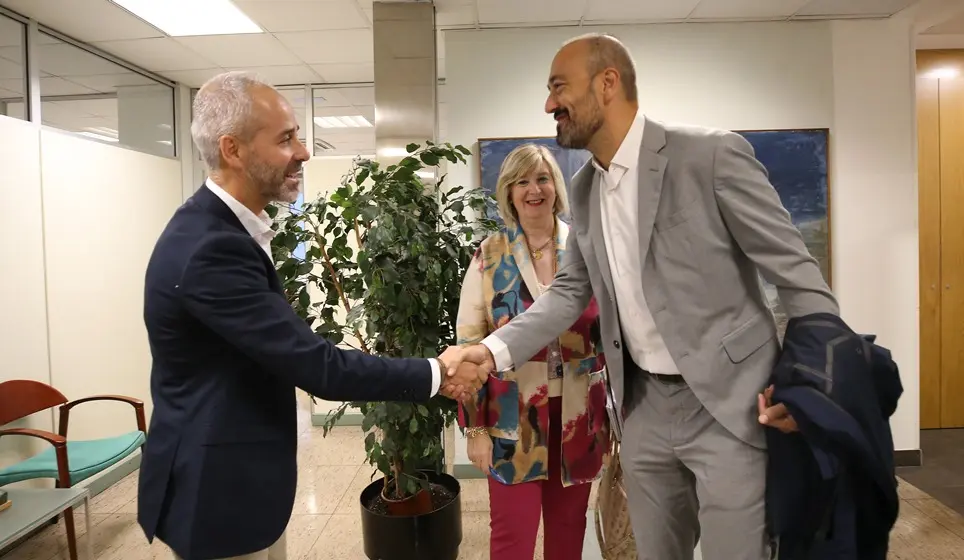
(60, 449)
(136, 403)
(129, 400)
(49, 437)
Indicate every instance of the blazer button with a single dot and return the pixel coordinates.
(616, 344)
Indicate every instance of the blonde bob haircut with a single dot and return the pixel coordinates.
(520, 162)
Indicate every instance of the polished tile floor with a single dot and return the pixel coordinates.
(942, 474)
(325, 524)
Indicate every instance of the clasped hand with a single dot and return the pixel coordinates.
(465, 370)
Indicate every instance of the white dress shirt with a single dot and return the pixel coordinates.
(619, 196)
(259, 227)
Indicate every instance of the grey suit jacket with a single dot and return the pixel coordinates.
(710, 224)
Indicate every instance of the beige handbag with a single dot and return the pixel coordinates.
(613, 528)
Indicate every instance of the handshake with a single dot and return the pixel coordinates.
(464, 370)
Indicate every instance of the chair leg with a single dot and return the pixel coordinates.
(71, 533)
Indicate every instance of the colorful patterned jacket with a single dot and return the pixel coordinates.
(500, 284)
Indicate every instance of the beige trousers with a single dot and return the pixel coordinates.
(277, 551)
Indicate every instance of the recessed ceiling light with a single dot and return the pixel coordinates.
(392, 152)
(425, 174)
(181, 18)
(353, 121)
(943, 73)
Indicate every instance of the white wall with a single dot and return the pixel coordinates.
(852, 77)
(87, 217)
(23, 321)
(104, 208)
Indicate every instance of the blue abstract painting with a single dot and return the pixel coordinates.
(797, 163)
(796, 160)
(493, 151)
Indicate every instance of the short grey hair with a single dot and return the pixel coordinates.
(222, 107)
(606, 51)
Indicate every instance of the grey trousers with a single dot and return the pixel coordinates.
(688, 479)
(277, 551)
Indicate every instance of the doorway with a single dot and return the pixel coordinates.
(940, 130)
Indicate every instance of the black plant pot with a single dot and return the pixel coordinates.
(432, 536)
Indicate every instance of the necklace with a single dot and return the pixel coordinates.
(537, 253)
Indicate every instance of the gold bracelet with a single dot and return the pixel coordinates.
(476, 431)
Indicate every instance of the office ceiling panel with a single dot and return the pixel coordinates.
(241, 50)
(746, 9)
(110, 82)
(345, 73)
(87, 20)
(283, 75)
(504, 12)
(158, 54)
(342, 46)
(651, 10)
(852, 8)
(953, 26)
(305, 15)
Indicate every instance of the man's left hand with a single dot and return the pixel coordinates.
(774, 416)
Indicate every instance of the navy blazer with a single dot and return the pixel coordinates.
(219, 470)
(831, 488)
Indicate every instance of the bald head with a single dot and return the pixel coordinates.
(604, 51)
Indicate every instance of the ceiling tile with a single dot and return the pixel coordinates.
(106, 108)
(825, 8)
(345, 73)
(954, 26)
(746, 9)
(532, 11)
(240, 50)
(53, 85)
(449, 15)
(304, 15)
(282, 75)
(156, 54)
(87, 20)
(651, 10)
(192, 78)
(330, 47)
(110, 82)
(62, 59)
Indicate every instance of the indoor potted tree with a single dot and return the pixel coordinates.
(378, 265)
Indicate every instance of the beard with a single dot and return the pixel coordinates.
(271, 181)
(581, 127)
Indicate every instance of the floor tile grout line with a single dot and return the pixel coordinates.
(950, 530)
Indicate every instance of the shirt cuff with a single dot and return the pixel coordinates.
(500, 352)
(436, 377)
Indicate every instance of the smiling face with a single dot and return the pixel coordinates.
(574, 97)
(273, 157)
(534, 194)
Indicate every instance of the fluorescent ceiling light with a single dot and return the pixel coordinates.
(181, 18)
(425, 174)
(392, 152)
(943, 73)
(354, 121)
(96, 136)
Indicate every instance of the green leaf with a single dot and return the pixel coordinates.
(413, 426)
(428, 158)
(411, 147)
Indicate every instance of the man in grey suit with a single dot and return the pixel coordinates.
(672, 228)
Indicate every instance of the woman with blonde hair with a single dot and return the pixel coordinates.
(539, 431)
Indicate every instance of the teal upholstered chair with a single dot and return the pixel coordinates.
(68, 462)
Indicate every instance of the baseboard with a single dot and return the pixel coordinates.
(908, 458)
(466, 472)
(348, 419)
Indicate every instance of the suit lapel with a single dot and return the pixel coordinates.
(596, 231)
(650, 170)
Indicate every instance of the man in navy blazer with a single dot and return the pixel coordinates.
(219, 469)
